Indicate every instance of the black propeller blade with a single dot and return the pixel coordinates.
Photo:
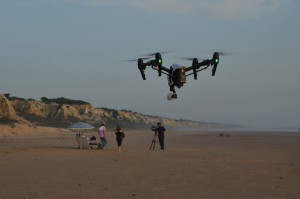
(130, 60)
(148, 56)
(188, 58)
(222, 53)
(153, 54)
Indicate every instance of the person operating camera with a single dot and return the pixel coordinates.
(161, 135)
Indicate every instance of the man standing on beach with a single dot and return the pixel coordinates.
(161, 135)
(102, 132)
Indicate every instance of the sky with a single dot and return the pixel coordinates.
(75, 49)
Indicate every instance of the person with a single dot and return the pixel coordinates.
(119, 137)
(102, 132)
(161, 135)
(93, 141)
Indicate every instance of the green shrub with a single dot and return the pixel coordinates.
(8, 121)
(62, 100)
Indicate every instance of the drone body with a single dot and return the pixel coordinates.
(176, 73)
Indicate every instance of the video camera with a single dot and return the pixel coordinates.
(154, 128)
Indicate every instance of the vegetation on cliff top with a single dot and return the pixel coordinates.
(62, 100)
(7, 95)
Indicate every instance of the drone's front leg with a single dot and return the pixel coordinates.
(142, 70)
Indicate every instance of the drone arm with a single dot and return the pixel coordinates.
(165, 69)
(195, 67)
(206, 62)
(197, 70)
(149, 63)
(157, 67)
(162, 71)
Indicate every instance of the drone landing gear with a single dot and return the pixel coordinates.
(173, 95)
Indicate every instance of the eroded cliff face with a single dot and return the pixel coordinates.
(31, 106)
(35, 111)
(51, 110)
(6, 109)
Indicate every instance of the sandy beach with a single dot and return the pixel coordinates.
(195, 164)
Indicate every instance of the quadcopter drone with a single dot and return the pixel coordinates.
(177, 73)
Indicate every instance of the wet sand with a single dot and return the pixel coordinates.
(194, 165)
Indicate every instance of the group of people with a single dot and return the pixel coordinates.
(120, 135)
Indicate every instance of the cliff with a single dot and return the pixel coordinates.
(6, 109)
(53, 114)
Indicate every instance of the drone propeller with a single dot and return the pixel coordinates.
(152, 54)
(188, 58)
(130, 60)
(222, 53)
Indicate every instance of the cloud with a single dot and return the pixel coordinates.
(100, 3)
(239, 9)
(218, 9)
(166, 6)
(30, 3)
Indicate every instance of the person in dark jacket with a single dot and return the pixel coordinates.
(119, 137)
(161, 135)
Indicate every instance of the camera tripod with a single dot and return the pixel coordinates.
(152, 146)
